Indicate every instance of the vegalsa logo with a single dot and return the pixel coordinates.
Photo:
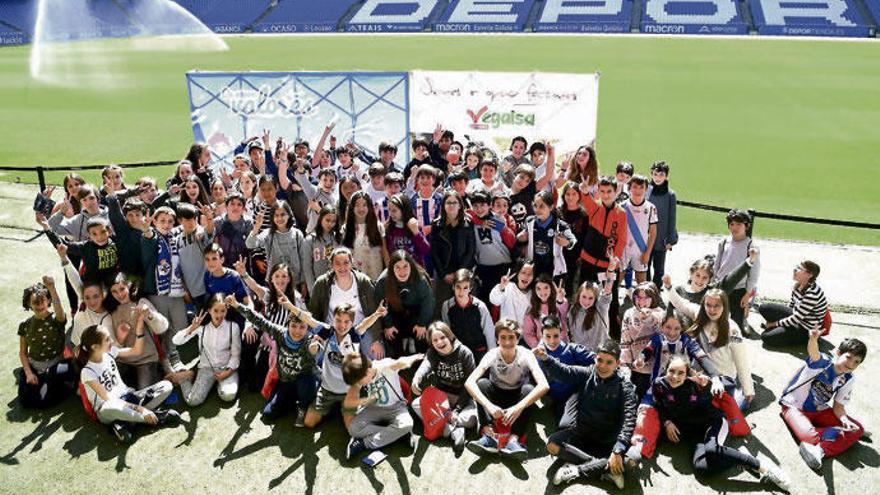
(484, 119)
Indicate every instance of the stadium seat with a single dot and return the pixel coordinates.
(18, 15)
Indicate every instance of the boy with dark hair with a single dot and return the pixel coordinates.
(387, 154)
(334, 342)
(566, 353)
(231, 229)
(641, 219)
(605, 421)
(468, 317)
(382, 417)
(604, 240)
(507, 393)
(325, 193)
(127, 217)
(664, 200)
(426, 201)
(494, 240)
(376, 189)
(488, 180)
(420, 157)
(622, 175)
(440, 143)
(99, 254)
(814, 402)
(732, 252)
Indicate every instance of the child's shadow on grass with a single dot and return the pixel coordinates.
(47, 422)
(859, 456)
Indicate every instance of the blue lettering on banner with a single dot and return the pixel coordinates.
(692, 17)
(303, 16)
(485, 16)
(808, 18)
(577, 16)
(392, 15)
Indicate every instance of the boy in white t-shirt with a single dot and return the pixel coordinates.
(814, 401)
(382, 417)
(336, 342)
(641, 220)
(507, 393)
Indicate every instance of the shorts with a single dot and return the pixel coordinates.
(632, 258)
(325, 401)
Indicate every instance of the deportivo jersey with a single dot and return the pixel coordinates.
(815, 385)
(334, 351)
(644, 214)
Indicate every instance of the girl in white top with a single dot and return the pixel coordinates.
(219, 357)
(719, 336)
(364, 236)
(110, 397)
(514, 300)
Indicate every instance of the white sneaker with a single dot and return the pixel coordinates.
(774, 474)
(568, 472)
(812, 455)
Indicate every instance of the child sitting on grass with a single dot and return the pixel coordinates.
(45, 377)
(382, 417)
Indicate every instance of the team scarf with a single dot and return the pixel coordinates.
(168, 274)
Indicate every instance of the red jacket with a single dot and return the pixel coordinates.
(606, 232)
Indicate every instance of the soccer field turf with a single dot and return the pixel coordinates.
(786, 126)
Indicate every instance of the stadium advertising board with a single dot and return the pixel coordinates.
(303, 16)
(692, 17)
(12, 38)
(392, 15)
(494, 107)
(469, 16)
(808, 18)
(576, 16)
(367, 108)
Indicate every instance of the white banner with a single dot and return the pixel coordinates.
(494, 107)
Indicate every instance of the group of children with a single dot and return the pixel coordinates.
(316, 276)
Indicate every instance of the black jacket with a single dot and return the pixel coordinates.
(452, 248)
(689, 407)
(606, 408)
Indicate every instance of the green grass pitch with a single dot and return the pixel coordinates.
(786, 126)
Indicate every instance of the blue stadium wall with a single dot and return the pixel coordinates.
(841, 18)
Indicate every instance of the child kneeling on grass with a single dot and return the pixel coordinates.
(219, 354)
(381, 418)
(114, 402)
(814, 402)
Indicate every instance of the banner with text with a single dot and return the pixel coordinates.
(367, 108)
(494, 107)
